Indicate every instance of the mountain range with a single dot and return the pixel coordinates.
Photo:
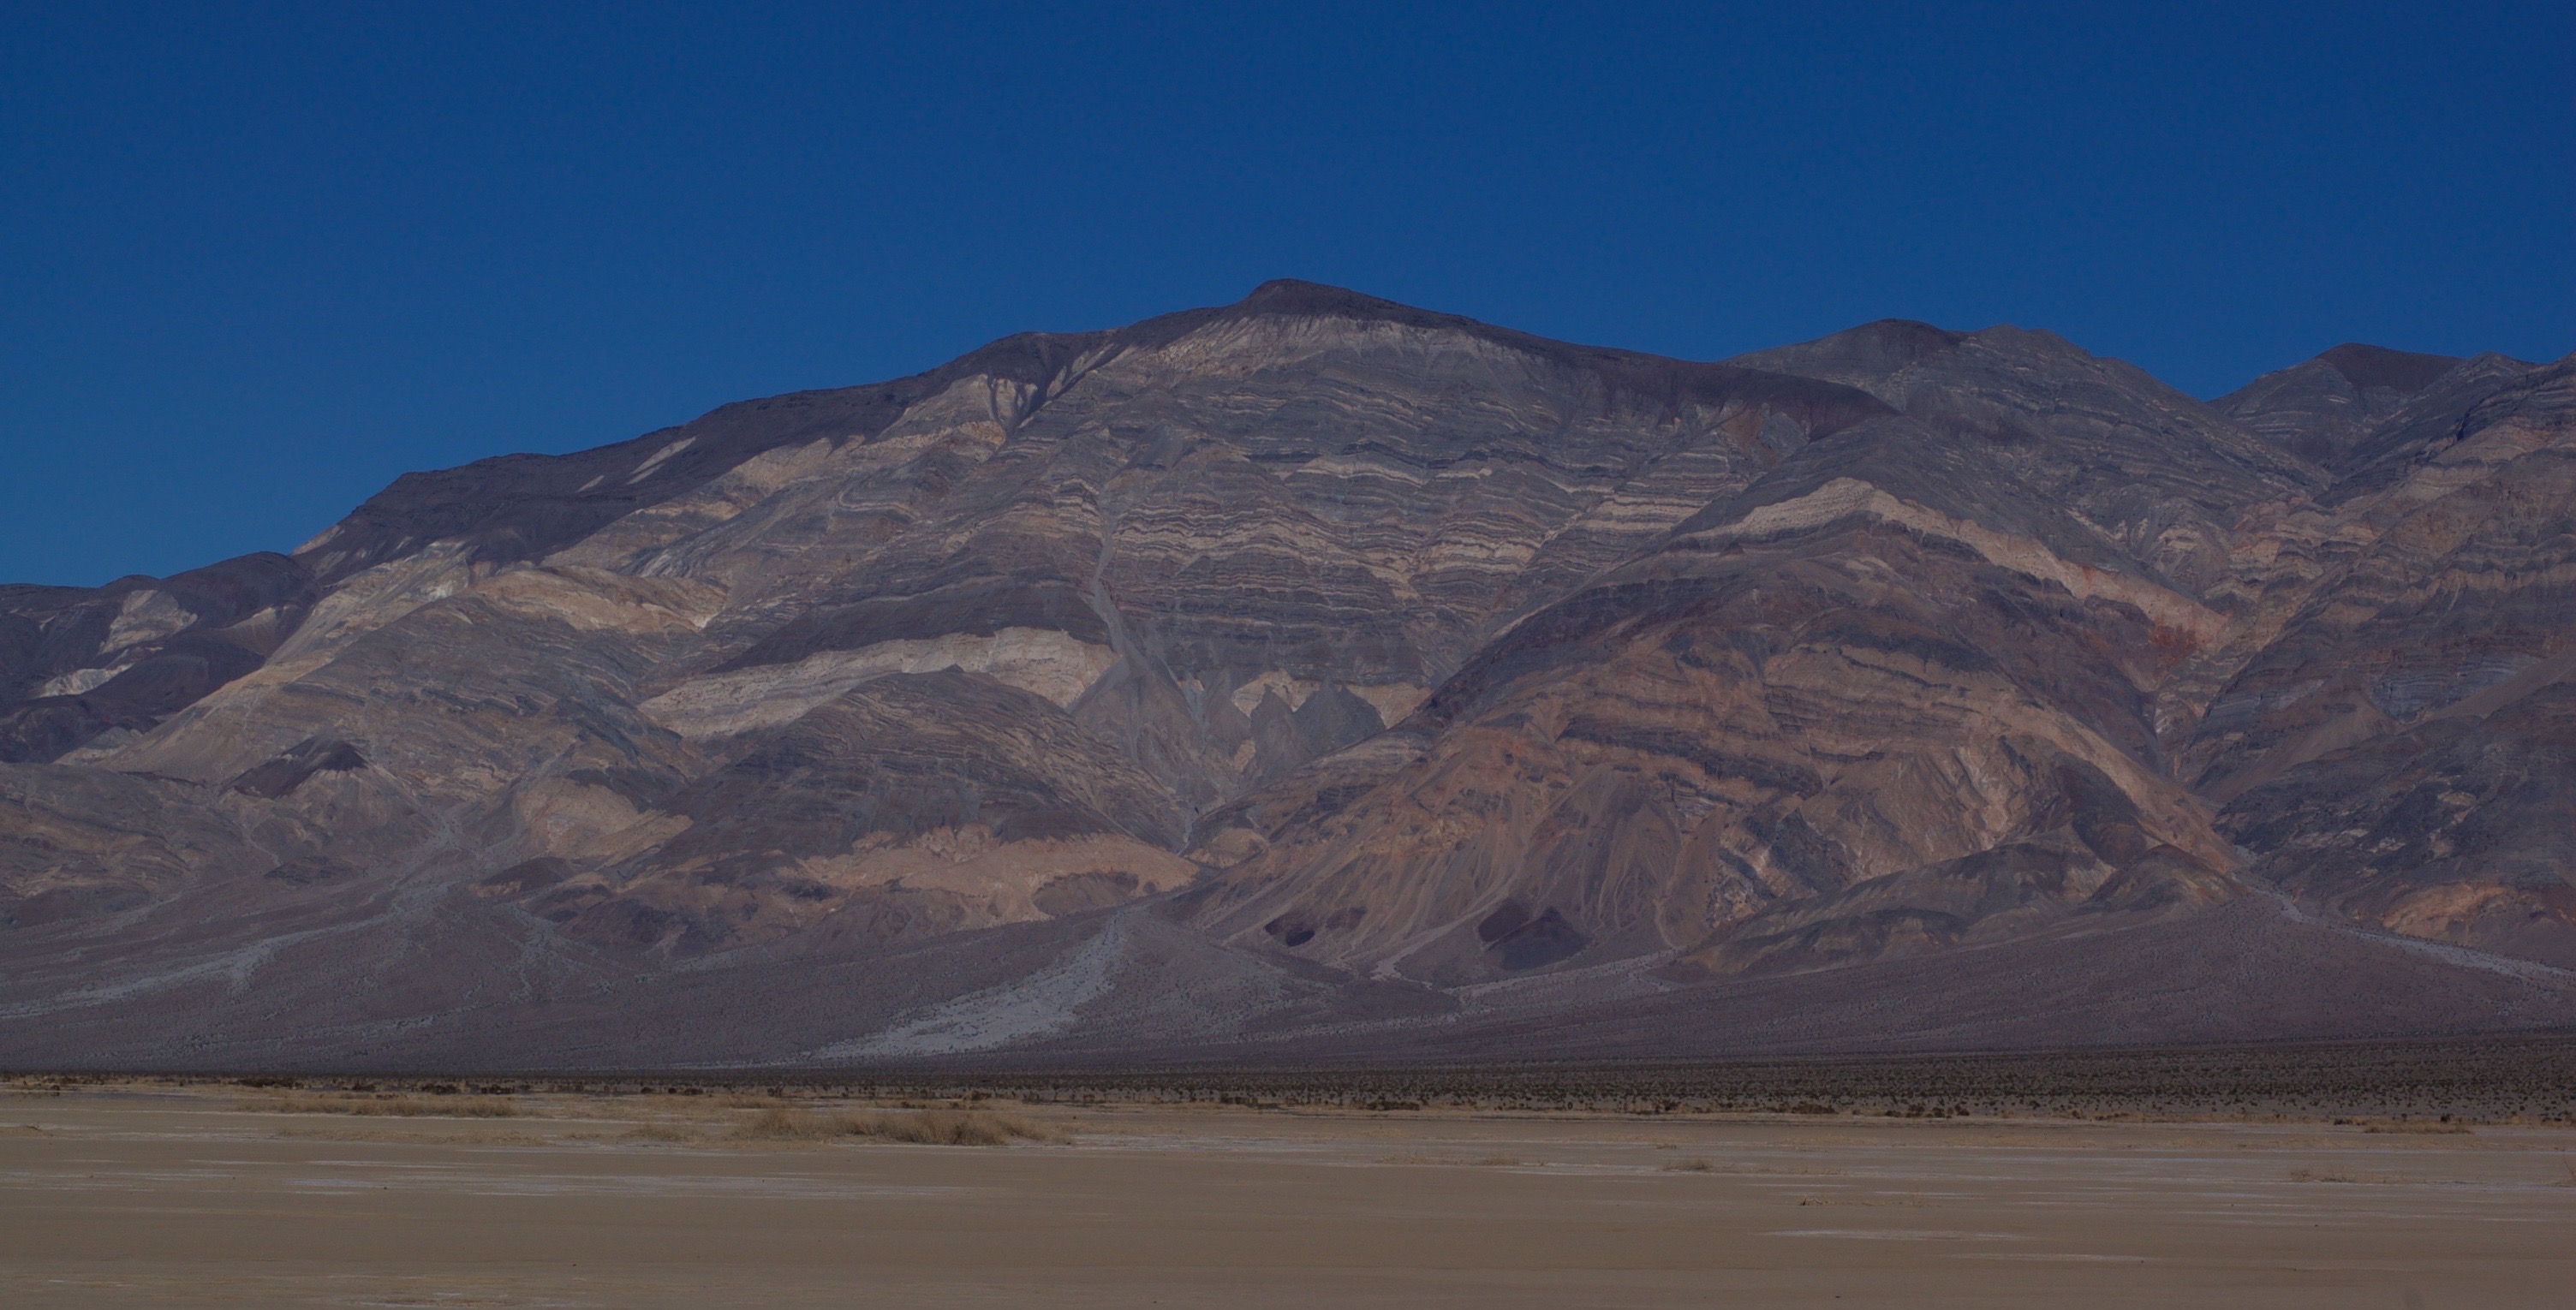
(1318, 679)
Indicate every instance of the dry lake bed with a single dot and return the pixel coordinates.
(148, 1195)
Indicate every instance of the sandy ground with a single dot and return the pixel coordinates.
(147, 1197)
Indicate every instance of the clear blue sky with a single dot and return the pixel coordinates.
(257, 260)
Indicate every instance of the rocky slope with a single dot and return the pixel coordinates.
(2403, 750)
(1299, 673)
(2321, 409)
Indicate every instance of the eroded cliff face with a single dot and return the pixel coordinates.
(1387, 654)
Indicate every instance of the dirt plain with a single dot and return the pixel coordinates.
(167, 1192)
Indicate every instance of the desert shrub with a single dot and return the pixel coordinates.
(783, 1125)
(463, 1107)
(922, 1127)
(476, 1107)
(948, 1127)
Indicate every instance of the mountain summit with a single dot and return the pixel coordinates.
(1319, 678)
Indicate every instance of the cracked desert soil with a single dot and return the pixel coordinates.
(145, 1197)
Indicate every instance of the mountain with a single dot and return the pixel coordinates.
(2320, 409)
(1315, 677)
(2402, 750)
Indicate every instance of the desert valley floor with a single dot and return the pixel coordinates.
(160, 1193)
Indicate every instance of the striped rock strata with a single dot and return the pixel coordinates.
(1377, 658)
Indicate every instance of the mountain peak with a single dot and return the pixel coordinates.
(2319, 407)
(1298, 296)
(1294, 298)
(1885, 346)
(2367, 366)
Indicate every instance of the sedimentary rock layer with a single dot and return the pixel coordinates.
(1317, 664)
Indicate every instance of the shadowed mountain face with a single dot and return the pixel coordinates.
(1296, 674)
(78, 665)
(2403, 749)
(2320, 410)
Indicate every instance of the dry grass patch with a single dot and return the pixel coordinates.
(2340, 1176)
(409, 1107)
(663, 1133)
(390, 1133)
(783, 1125)
(922, 1127)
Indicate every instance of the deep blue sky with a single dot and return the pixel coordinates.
(257, 260)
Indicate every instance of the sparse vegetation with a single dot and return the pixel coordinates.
(2432, 1086)
(1482, 1162)
(933, 1127)
(660, 1133)
(2484, 1080)
(413, 1131)
(445, 1107)
(2338, 1176)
